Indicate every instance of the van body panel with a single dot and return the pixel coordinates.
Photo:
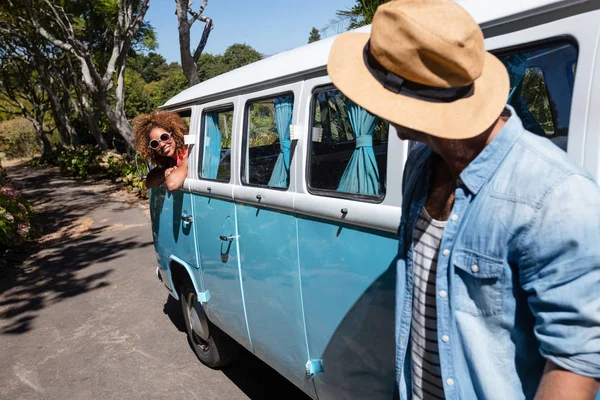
(271, 278)
(348, 284)
(192, 274)
(171, 235)
(215, 218)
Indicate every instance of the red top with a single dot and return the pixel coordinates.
(180, 157)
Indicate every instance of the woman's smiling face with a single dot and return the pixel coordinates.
(165, 148)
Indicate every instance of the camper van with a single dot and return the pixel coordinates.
(284, 238)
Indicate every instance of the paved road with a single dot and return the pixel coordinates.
(87, 318)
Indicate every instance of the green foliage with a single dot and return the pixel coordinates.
(535, 95)
(15, 214)
(262, 127)
(18, 139)
(315, 36)
(149, 66)
(150, 82)
(236, 56)
(360, 14)
(81, 161)
(84, 161)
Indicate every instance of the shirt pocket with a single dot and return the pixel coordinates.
(478, 283)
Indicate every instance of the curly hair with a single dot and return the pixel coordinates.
(169, 121)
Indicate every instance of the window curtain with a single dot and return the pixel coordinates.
(212, 147)
(362, 174)
(284, 107)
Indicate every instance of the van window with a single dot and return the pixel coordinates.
(348, 155)
(541, 87)
(216, 145)
(267, 142)
(186, 115)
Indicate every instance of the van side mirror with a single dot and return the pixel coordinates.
(141, 166)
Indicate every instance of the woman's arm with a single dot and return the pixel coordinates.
(174, 177)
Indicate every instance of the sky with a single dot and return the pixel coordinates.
(269, 26)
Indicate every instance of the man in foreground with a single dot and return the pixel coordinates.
(498, 290)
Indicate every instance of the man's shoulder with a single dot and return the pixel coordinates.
(532, 168)
(415, 161)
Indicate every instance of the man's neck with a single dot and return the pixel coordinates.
(458, 154)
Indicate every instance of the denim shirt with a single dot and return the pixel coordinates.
(518, 275)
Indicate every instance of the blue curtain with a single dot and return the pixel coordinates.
(362, 174)
(212, 147)
(284, 107)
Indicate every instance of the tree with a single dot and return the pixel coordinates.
(360, 14)
(315, 36)
(21, 85)
(189, 60)
(102, 70)
(236, 56)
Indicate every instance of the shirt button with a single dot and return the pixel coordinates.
(446, 252)
(445, 338)
(475, 268)
(450, 382)
(443, 293)
(454, 217)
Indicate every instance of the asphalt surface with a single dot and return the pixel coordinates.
(84, 317)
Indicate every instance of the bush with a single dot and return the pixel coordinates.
(15, 214)
(17, 138)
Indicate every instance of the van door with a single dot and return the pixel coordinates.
(215, 220)
(347, 218)
(171, 227)
(268, 239)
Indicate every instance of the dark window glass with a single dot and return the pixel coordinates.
(541, 87)
(339, 163)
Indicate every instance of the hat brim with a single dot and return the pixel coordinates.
(464, 118)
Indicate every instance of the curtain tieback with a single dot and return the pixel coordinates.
(364, 141)
(285, 145)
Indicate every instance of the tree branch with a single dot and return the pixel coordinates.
(196, 15)
(207, 28)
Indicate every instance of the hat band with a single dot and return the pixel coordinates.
(399, 85)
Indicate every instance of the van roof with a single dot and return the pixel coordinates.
(313, 57)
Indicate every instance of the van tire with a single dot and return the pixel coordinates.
(216, 352)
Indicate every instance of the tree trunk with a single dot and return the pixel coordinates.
(190, 70)
(42, 139)
(92, 118)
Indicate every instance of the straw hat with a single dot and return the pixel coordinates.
(424, 67)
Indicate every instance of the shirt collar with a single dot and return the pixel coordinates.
(486, 163)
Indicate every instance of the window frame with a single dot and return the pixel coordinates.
(245, 135)
(564, 39)
(219, 108)
(308, 168)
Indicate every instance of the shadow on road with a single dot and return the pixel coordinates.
(55, 269)
(255, 378)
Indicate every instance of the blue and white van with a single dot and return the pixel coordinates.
(283, 240)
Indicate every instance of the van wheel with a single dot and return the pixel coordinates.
(213, 347)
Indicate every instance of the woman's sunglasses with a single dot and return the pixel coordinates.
(155, 144)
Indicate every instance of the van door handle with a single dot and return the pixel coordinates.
(187, 218)
(227, 238)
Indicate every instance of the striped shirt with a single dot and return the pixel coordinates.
(426, 371)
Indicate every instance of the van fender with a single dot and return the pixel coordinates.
(203, 296)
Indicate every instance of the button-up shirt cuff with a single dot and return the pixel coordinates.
(582, 364)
